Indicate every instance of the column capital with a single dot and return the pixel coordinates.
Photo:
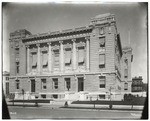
(73, 40)
(27, 46)
(87, 37)
(60, 42)
(49, 43)
(38, 45)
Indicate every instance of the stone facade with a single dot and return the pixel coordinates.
(84, 62)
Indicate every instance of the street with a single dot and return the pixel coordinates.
(17, 112)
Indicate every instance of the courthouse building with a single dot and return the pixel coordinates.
(79, 63)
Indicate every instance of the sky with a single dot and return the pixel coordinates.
(40, 18)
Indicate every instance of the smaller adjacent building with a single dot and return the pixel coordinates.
(137, 84)
(6, 83)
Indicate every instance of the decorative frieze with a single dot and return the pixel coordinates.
(64, 38)
(68, 45)
(55, 47)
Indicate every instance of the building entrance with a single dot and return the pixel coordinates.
(33, 85)
(80, 84)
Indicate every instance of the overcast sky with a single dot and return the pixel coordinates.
(40, 18)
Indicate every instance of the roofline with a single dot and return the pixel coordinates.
(55, 33)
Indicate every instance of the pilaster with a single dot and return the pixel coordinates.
(28, 59)
(74, 54)
(61, 56)
(49, 58)
(87, 53)
(38, 58)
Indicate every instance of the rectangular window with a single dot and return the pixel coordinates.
(67, 83)
(55, 83)
(125, 86)
(17, 84)
(102, 80)
(102, 42)
(17, 67)
(34, 60)
(17, 52)
(81, 56)
(102, 96)
(43, 96)
(44, 59)
(102, 61)
(126, 73)
(43, 83)
(68, 57)
(126, 63)
(56, 58)
(101, 31)
(7, 88)
(7, 78)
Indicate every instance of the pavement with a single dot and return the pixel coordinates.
(58, 110)
(61, 104)
(19, 112)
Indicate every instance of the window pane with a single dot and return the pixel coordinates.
(102, 59)
(55, 83)
(102, 82)
(56, 58)
(126, 86)
(81, 55)
(68, 56)
(101, 30)
(34, 60)
(45, 59)
(102, 41)
(126, 73)
(67, 80)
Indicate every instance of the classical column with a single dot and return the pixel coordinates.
(49, 58)
(38, 58)
(28, 59)
(87, 53)
(74, 54)
(61, 60)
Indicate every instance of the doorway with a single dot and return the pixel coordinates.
(33, 85)
(80, 84)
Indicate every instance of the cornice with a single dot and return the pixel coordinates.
(64, 38)
(61, 33)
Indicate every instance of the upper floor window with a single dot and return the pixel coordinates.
(56, 58)
(7, 78)
(102, 80)
(43, 83)
(67, 56)
(67, 83)
(45, 59)
(81, 56)
(125, 86)
(102, 61)
(17, 84)
(34, 60)
(17, 52)
(102, 42)
(125, 73)
(126, 63)
(17, 67)
(101, 31)
(55, 83)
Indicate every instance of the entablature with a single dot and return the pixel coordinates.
(57, 39)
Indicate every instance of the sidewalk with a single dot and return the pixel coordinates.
(61, 104)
